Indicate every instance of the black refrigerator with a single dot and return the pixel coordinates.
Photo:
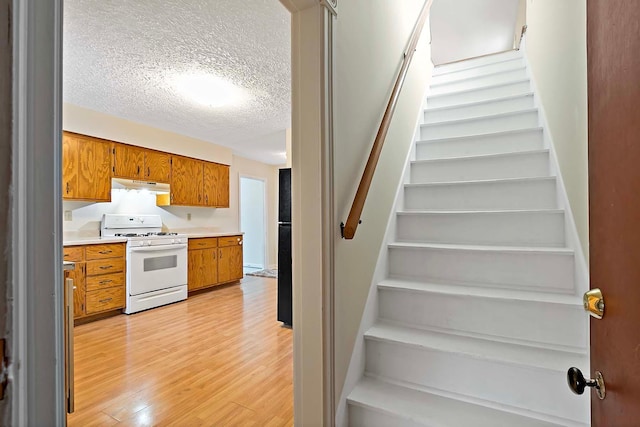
(285, 299)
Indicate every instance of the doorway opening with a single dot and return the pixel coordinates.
(253, 223)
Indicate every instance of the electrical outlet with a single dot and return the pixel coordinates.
(68, 216)
(189, 217)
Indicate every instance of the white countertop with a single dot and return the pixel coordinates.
(199, 234)
(92, 240)
(95, 240)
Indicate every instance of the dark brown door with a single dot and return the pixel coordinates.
(613, 51)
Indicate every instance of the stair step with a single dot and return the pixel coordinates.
(491, 143)
(512, 120)
(501, 314)
(475, 63)
(503, 89)
(461, 75)
(502, 194)
(376, 403)
(506, 228)
(478, 81)
(481, 108)
(544, 269)
(528, 378)
(519, 164)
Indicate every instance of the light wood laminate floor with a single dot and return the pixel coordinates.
(217, 359)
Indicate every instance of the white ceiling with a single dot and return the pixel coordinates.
(120, 55)
(463, 29)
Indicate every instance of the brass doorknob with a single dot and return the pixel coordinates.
(594, 303)
(578, 383)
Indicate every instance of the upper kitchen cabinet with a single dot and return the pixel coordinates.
(86, 168)
(216, 185)
(157, 166)
(187, 181)
(197, 183)
(133, 162)
(128, 161)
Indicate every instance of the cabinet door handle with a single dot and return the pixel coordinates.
(105, 252)
(220, 254)
(105, 300)
(206, 199)
(67, 187)
(104, 282)
(105, 267)
(138, 173)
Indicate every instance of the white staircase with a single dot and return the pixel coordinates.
(480, 316)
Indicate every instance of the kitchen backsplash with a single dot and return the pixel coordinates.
(86, 216)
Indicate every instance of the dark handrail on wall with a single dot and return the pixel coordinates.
(349, 229)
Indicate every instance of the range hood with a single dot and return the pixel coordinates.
(134, 184)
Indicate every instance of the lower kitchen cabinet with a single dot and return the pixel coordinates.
(214, 261)
(99, 277)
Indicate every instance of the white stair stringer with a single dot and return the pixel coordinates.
(480, 314)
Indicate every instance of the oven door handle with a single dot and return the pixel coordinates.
(158, 248)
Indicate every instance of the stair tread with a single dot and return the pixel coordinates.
(480, 118)
(476, 103)
(488, 292)
(440, 70)
(483, 181)
(483, 248)
(495, 73)
(478, 348)
(432, 410)
(461, 138)
(476, 89)
(483, 212)
(484, 156)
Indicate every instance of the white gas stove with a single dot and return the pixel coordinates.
(156, 260)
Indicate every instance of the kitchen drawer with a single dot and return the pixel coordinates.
(74, 253)
(229, 241)
(203, 243)
(105, 299)
(105, 266)
(95, 283)
(112, 250)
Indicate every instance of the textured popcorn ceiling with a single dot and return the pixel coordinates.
(119, 57)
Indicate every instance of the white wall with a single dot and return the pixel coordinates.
(370, 39)
(556, 50)
(86, 216)
(252, 221)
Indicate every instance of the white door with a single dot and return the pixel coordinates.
(252, 221)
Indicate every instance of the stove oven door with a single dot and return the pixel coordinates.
(152, 268)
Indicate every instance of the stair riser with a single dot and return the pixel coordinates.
(491, 195)
(503, 167)
(503, 229)
(538, 390)
(479, 127)
(510, 89)
(481, 145)
(365, 417)
(514, 270)
(481, 65)
(470, 111)
(478, 82)
(529, 321)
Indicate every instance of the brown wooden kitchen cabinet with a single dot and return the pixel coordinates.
(230, 259)
(197, 183)
(214, 261)
(202, 269)
(186, 181)
(216, 185)
(99, 277)
(131, 162)
(86, 168)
